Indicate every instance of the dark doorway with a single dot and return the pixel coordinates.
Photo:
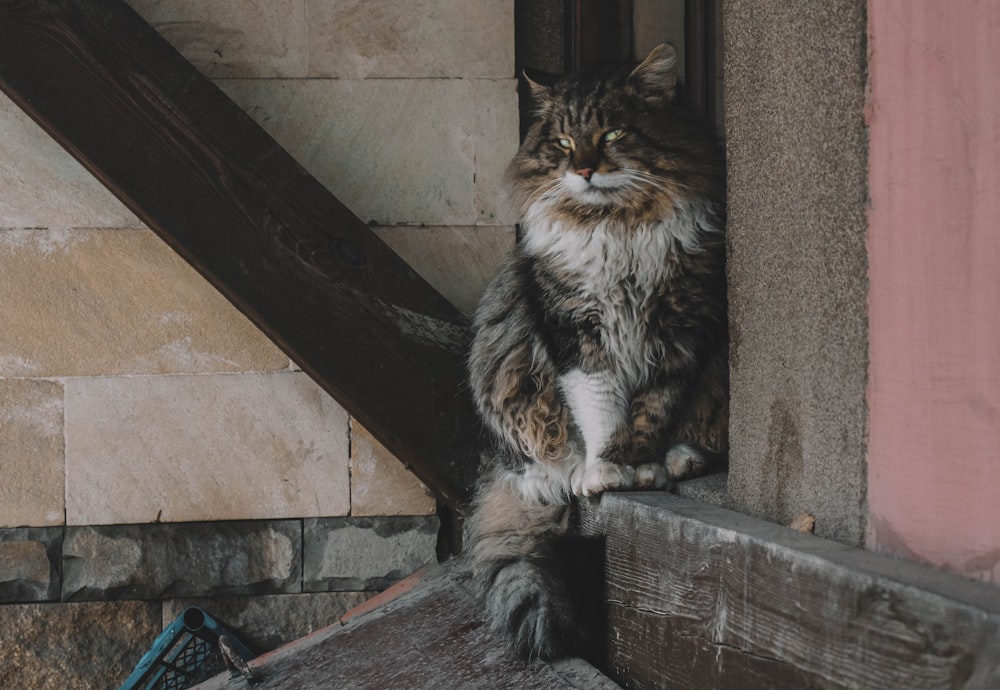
(554, 37)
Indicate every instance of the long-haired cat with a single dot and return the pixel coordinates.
(599, 359)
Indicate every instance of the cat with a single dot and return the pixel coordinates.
(599, 359)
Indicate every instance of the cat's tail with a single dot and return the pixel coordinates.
(520, 570)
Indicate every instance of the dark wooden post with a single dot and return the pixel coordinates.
(234, 204)
(699, 56)
(600, 31)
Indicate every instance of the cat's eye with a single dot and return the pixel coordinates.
(612, 135)
(565, 143)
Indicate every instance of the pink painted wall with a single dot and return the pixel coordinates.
(934, 249)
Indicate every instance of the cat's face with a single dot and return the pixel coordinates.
(597, 143)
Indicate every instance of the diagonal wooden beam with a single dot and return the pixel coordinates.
(234, 204)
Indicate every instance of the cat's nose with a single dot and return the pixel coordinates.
(585, 173)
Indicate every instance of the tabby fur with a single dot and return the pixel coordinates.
(599, 357)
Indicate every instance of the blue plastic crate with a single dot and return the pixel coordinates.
(184, 654)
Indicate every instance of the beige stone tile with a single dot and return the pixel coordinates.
(380, 484)
(208, 447)
(496, 140)
(392, 150)
(93, 302)
(419, 38)
(43, 186)
(457, 261)
(249, 38)
(31, 453)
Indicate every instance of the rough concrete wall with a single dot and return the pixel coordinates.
(795, 83)
(131, 393)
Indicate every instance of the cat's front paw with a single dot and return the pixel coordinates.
(604, 476)
(684, 462)
(650, 475)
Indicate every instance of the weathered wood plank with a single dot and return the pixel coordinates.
(432, 637)
(221, 192)
(702, 597)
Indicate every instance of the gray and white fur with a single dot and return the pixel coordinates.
(599, 356)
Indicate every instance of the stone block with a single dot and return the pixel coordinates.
(457, 261)
(495, 135)
(380, 484)
(31, 451)
(250, 38)
(182, 560)
(212, 447)
(265, 623)
(710, 488)
(418, 38)
(42, 186)
(74, 646)
(30, 564)
(102, 301)
(392, 150)
(350, 554)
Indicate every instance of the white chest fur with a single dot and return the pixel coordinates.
(618, 271)
(602, 255)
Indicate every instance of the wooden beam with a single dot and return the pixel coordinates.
(702, 597)
(233, 203)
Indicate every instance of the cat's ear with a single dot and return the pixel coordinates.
(541, 95)
(655, 79)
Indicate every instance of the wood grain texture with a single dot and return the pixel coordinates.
(431, 637)
(235, 205)
(702, 597)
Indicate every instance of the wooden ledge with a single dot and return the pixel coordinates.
(697, 597)
(710, 488)
(427, 633)
(703, 597)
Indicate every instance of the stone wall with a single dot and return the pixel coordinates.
(156, 448)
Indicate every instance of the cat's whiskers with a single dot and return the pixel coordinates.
(642, 178)
(627, 183)
(638, 172)
(546, 192)
(659, 180)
